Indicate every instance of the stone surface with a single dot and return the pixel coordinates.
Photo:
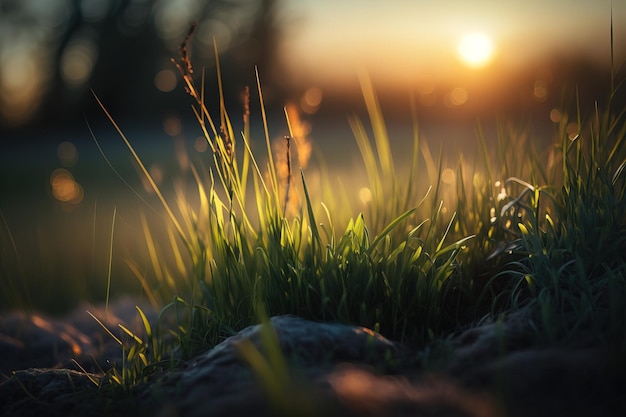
(301, 368)
(330, 370)
(49, 392)
(38, 341)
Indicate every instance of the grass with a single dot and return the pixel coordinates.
(545, 232)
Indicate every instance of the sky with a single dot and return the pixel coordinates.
(326, 45)
(403, 41)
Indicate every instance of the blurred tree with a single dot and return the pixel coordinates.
(52, 52)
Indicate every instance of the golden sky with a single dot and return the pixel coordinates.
(418, 41)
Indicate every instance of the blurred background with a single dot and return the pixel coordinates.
(455, 62)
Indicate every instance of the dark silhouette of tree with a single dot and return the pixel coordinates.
(130, 48)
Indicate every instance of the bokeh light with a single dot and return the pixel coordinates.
(172, 18)
(64, 188)
(157, 173)
(212, 29)
(448, 176)
(301, 130)
(78, 61)
(200, 144)
(365, 195)
(311, 100)
(94, 10)
(165, 81)
(172, 125)
(572, 130)
(540, 91)
(21, 81)
(457, 97)
(555, 115)
(67, 154)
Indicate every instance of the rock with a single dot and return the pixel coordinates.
(331, 370)
(482, 344)
(503, 358)
(37, 392)
(38, 341)
(212, 383)
(556, 382)
(300, 368)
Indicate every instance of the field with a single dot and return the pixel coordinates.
(429, 249)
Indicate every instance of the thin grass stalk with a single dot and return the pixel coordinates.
(414, 164)
(12, 288)
(110, 265)
(147, 175)
(378, 125)
(272, 166)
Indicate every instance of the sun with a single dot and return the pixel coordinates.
(475, 49)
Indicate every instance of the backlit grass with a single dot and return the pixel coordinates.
(523, 225)
(530, 227)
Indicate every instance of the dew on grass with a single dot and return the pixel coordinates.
(502, 194)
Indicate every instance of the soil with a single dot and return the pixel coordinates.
(55, 367)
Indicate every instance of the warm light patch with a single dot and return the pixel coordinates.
(201, 144)
(21, 81)
(365, 195)
(172, 125)
(540, 92)
(448, 176)
(165, 81)
(555, 115)
(457, 97)
(572, 130)
(78, 61)
(311, 100)
(64, 187)
(475, 49)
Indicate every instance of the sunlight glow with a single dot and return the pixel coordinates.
(475, 49)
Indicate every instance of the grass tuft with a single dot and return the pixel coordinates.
(545, 233)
